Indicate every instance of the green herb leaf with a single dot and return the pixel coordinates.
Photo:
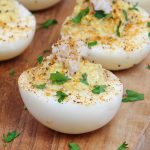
(40, 59)
(58, 78)
(133, 96)
(134, 7)
(10, 136)
(73, 146)
(118, 29)
(148, 24)
(61, 96)
(148, 67)
(79, 17)
(84, 79)
(123, 146)
(100, 14)
(40, 86)
(48, 23)
(149, 34)
(12, 73)
(93, 43)
(99, 89)
(125, 15)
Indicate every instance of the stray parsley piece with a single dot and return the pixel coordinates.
(149, 34)
(134, 7)
(123, 146)
(58, 78)
(118, 29)
(48, 23)
(73, 146)
(40, 86)
(100, 14)
(10, 136)
(40, 59)
(93, 43)
(61, 96)
(148, 24)
(99, 89)
(133, 96)
(148, 67)
(79, 17)
(84, 79)
(12, 73)
(125, 15)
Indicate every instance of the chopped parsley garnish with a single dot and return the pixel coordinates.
(61, 96)
(123, 146)
(40, 86)
(148, 67)
(149, 34)
(40, 59)
(73, 146)
(48, 23)
(148, 24)
(93, 43)
(125, 15)
(12, 73)
(132, 96)
(58, 78)
(79, 17)
(118, 29)
(10, 136)
(99, 89)
(134, 7)
(84, 79)
(100, 14)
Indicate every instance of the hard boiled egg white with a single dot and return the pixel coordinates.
(82, 111)
(122, 35)
(17, 28)
(38, 4)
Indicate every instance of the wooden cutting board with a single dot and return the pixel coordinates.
(131, 123)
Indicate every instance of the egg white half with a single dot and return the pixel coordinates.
(16, 35)
(38, 4)
(69, 117)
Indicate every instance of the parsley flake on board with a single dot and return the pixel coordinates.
(99, 89)
(40, 59)
(123, 146)
(100, 14)
(58, 78)
(73, 146)
(84, 79)
(133, 96)
(125, 15)
(79, 17)
(148, 67)
(61, 96)
(40, 86)
(12, 72)
(48, 23)
(10, 136)
(118, 29)
(134, 7)
(93, 43)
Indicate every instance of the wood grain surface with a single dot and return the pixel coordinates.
(131, 123)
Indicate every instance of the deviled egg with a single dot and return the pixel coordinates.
(17, 28)
(38, 4)
(117, 33)
(69, 94)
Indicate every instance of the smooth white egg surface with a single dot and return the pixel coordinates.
(17, 28)
(118, 37)
(145, 4)
(71, 100)
(38, 4)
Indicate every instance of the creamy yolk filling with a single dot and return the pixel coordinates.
(8, 12)
(104, 30)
